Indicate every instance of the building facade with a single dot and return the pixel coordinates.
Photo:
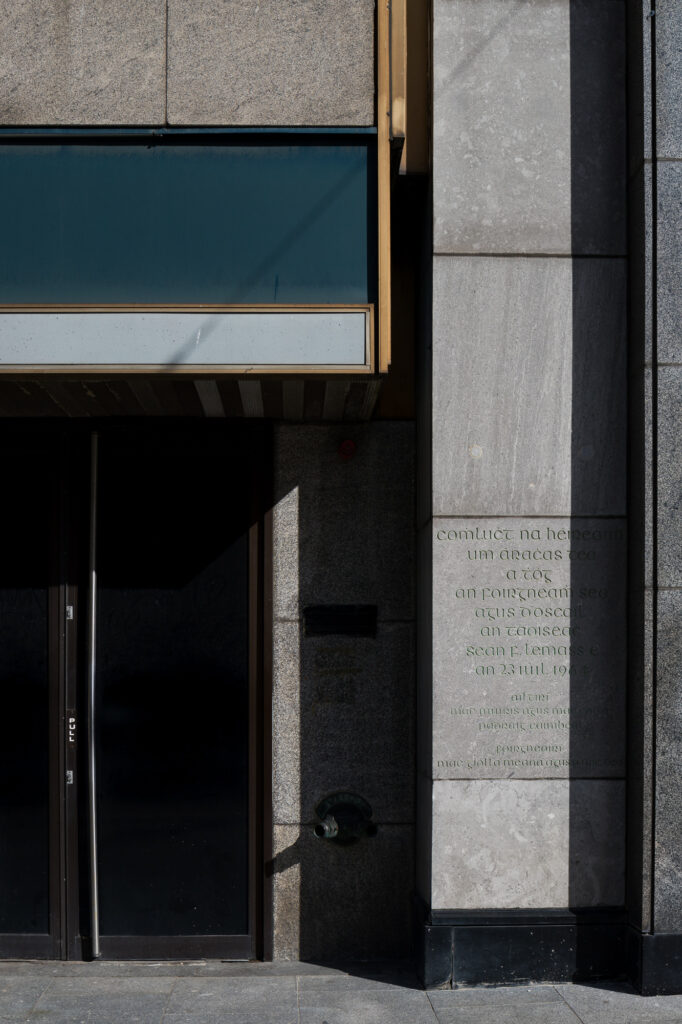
(339, 354)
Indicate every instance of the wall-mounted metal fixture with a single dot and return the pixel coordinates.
(344, 818)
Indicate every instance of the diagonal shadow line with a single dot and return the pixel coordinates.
(477, 50)
(334, 192)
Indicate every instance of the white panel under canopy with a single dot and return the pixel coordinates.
(144, 339)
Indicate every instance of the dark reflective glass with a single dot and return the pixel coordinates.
(24, 580)
(172, 688)
(170, 220)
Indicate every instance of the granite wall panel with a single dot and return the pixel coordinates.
(95, 62)
(304, 62)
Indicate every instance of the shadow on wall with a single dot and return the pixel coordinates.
(343, 705)
(597, 661)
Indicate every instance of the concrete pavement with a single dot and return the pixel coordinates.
(209, 992)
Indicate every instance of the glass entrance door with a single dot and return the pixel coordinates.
(29, 870)
(172, 696)
(152, 698)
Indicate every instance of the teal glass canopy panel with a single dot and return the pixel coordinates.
(183, 220)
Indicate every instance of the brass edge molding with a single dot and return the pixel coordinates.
(384, 182)
(199, 370)
(186, 307)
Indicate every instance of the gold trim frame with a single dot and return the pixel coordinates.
(196, 369)
(384, 182)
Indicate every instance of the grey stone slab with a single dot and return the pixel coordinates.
(492, 998)
(641, 647)
(343, 719)
(529, 386)
(548, 1013)
(529, 127)
(104, 1000)
(641, 247)
(305, 62)
(641, 465)
(424, 648)
(669, 258)
(18, 995)
(613, 1003)
(338, 903)
(542, 843)
(315, 987)
(639, 84)
(97, 62)
(394, 1007)
(529, 667)
(669, 78)
(344, 527)
(668, 835)
(106, 968)
(275, 1014)
(669, 548)
(233, 1000)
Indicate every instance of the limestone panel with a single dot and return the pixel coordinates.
(528, 844)
(343, 720)
(669, 548)
(529, 126)
(304, 62)
(669, 78)
(529, 386)
(344, 524)
(529, 648)
(342, 902)
(669, 262)
(668, 851)
(93, 62)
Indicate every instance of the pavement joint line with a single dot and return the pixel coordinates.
(37, 999)
(566, 1002)
(298, 998)
(170, 996)
(433, 1008)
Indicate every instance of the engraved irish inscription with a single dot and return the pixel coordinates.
(529, 673)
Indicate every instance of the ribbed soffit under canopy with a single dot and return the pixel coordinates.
(299, 400)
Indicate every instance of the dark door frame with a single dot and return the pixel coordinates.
(69, 891)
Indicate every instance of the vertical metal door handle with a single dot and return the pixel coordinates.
(92, 658)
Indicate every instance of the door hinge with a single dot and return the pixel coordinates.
(69, 613)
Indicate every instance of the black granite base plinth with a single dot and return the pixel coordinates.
(655, 963)
(518, 946)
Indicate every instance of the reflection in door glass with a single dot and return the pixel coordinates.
(172, 690)
(24, 580)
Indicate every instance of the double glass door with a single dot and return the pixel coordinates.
(129, 609)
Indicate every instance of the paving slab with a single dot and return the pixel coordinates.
(487, 998)
(382, 1004)
(230, 1000)
(103, 1001)
(19, 994)
(290, 992)
(537, 1013)
(612, 1003)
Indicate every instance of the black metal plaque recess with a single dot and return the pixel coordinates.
(340, 620)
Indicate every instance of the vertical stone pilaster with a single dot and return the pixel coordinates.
(523, 781)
